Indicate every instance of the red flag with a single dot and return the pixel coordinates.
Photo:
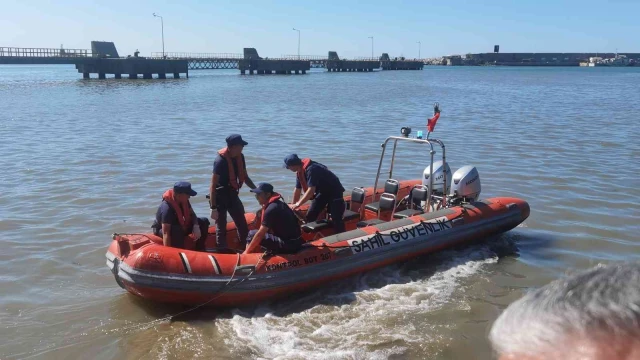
(431, 123)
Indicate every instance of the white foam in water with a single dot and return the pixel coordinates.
(187, 341)
(372, 316)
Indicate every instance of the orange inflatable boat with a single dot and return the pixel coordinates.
(400, 220)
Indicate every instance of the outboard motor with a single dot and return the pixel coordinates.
(439, 173)
(466, 185)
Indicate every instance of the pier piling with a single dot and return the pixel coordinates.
(335, 64)
(133, 67)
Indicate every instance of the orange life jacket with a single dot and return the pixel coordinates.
(236, 180)
(182, 209)
(272, 199)
(302, 178)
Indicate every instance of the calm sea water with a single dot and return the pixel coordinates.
(82, 159)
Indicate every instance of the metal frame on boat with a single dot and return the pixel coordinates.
(431, 153)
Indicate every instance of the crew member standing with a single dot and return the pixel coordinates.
(229, 174)
(320, 184)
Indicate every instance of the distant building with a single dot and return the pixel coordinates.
(453, 60)
(539, 59)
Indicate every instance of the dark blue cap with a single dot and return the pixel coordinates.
(235, 139)
(183, 187)
(291, 160)
(262, 187)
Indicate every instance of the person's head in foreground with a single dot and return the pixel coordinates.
(591, 315)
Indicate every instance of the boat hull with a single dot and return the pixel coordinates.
(164, 274)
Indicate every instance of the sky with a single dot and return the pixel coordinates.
(212, 26)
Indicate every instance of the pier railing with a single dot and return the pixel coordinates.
(44, 52)
(362, 58)
(303, 57)
(189, 55)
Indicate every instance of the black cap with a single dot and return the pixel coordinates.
(183, 187)
(263, 187)
(291, 160)
(235, 139)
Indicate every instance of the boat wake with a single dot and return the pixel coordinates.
(372, 316)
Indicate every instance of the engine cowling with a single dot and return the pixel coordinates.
(439, 173)
(466, 184)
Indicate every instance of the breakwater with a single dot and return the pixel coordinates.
(526, 59)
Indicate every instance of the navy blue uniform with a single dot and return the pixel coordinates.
(228, 201)
(166, 215)
(283, 224)
(329, 194)
(221, 168)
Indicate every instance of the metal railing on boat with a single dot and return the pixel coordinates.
(431, 153)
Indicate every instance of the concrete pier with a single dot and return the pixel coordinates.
(334, 64)
(399, 63)
(254, 63)
(133, 67)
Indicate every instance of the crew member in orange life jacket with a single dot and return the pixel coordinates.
(279, 229)
(175, 218)
(229, 174)
(319, 184)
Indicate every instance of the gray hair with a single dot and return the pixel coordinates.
(601, 303)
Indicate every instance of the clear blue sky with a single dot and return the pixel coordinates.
(443, 27)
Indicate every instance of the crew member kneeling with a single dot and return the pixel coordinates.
(175, 218)
(279, 229)
(319, 184)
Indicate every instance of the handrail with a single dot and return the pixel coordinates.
(363, 58)
(444, 170)
(212, 56)
(44, 52)
(431, 153)
(304, 57)
(189, 55)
